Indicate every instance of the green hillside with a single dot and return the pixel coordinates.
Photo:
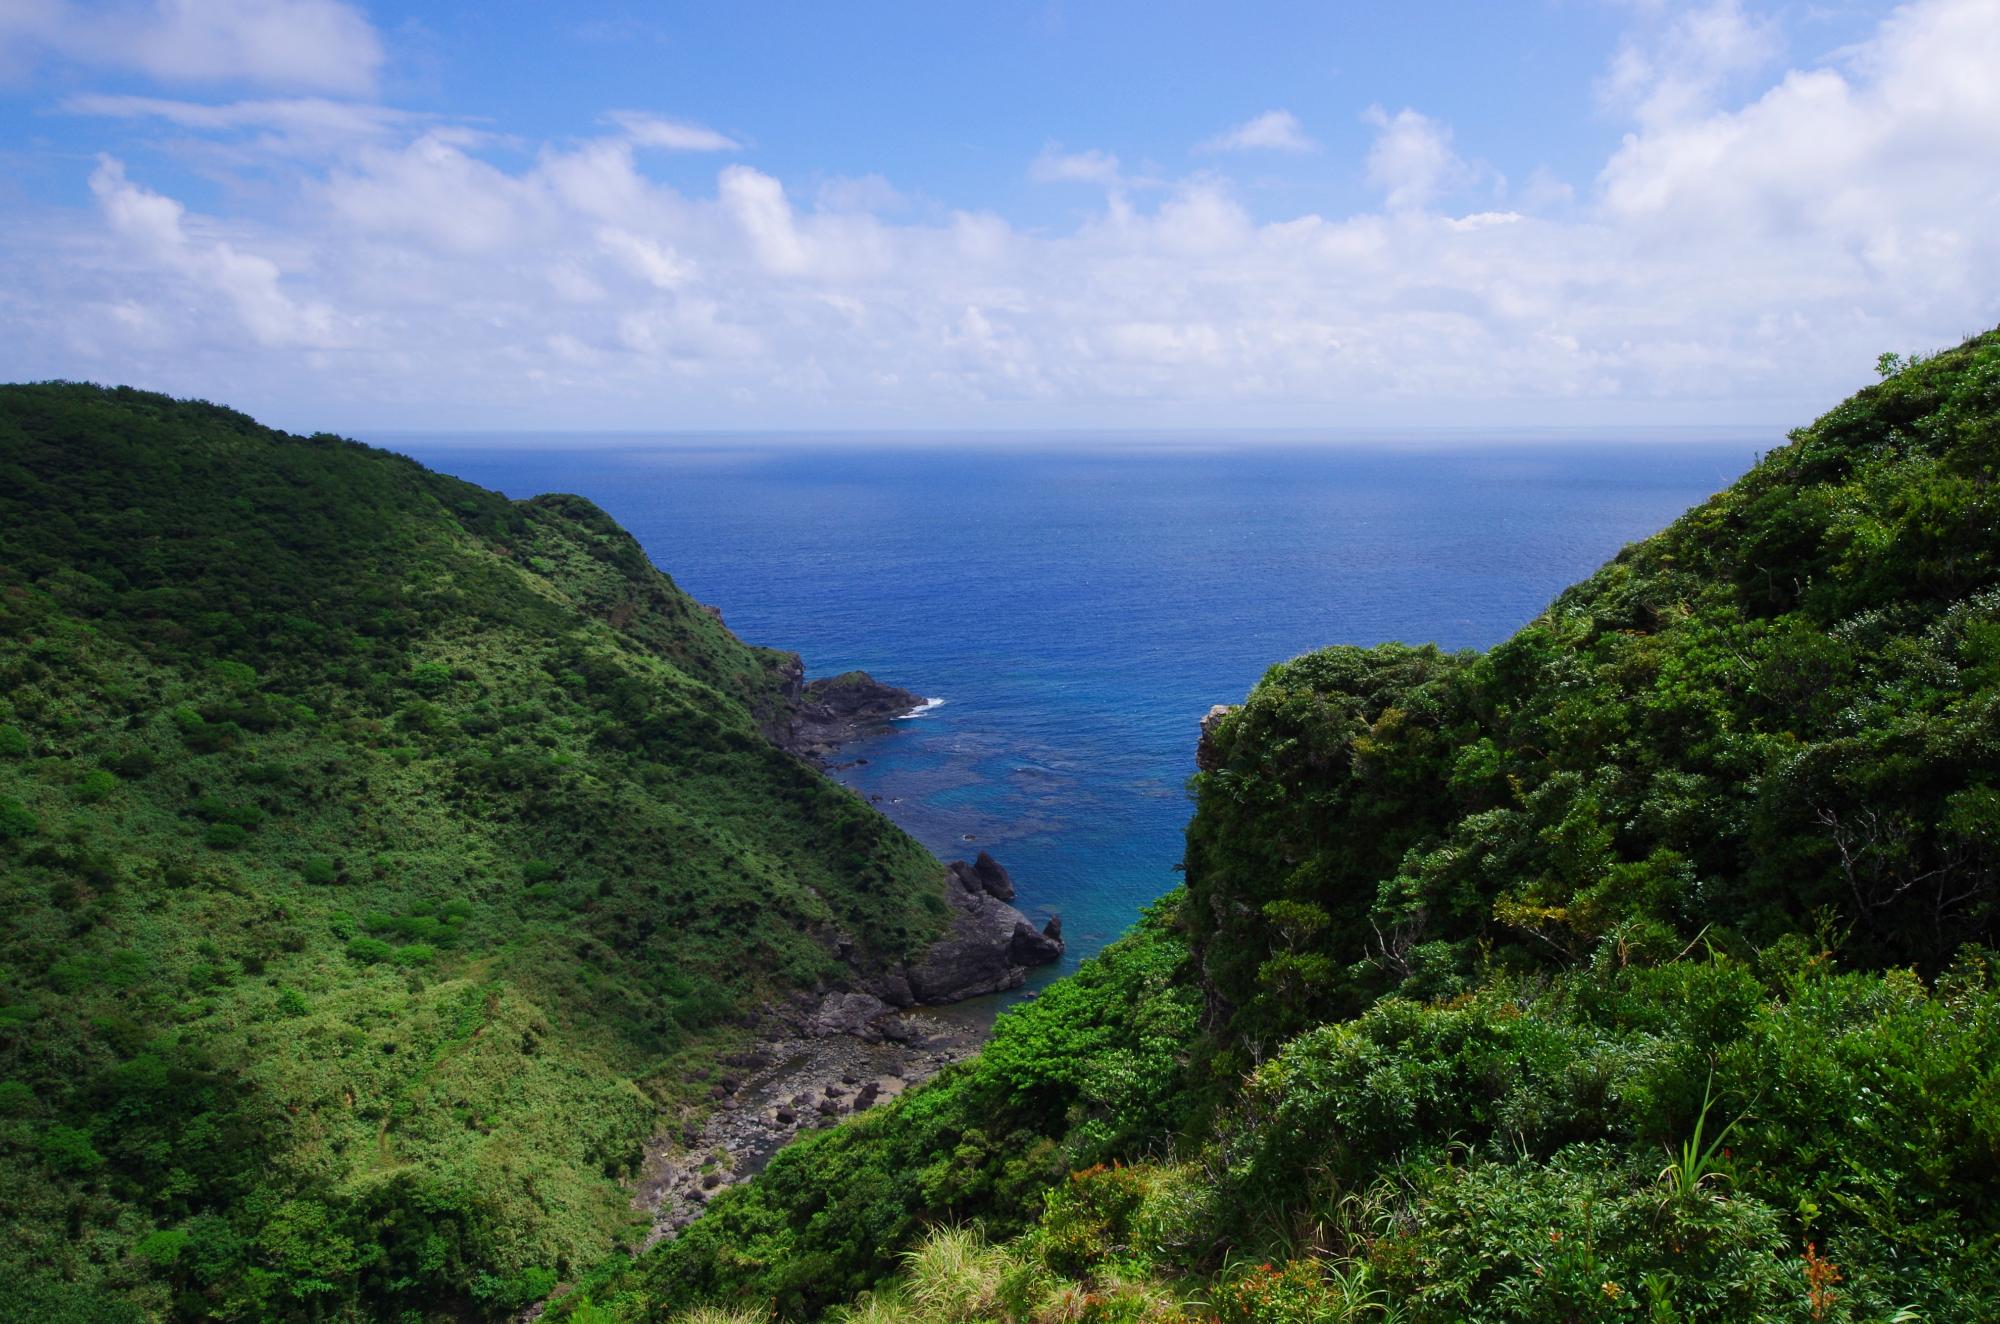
(376, 851)
(1639, 968)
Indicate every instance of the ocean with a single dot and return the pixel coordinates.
(1076, 606)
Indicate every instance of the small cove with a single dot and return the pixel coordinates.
(1079, 606)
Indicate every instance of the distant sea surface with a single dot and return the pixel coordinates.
(1077, 607)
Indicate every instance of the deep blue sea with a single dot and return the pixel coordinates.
(1079, 605)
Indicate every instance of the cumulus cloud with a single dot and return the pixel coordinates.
(1739, 254)
(247, 284)
(758, 204)
(1841, 151)
(1412, 160)
(1679, 67)
(433, 192)
(1273, 131)
(308, 45)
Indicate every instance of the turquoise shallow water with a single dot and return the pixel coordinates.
(1079, 607)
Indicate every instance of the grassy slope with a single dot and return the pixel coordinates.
(373, 849)
(1631, 970)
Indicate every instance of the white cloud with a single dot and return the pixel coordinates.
(313, 114)
(646, 130)
(309, 45)
(1740, 254)
(649, 259)
(1889, 161)
(1412, 160)
(1681, 66)
(1055, 166)
(757, 203)
(435, 192)
(246, 283)
(1273, 131)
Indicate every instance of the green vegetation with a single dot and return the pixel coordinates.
(1639, 968)
(377, 852)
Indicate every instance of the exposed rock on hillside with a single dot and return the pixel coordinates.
(1206, 756)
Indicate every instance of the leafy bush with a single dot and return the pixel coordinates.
(1773, 713)
(369, 951)
(224, 836)
(69, 1149)
(15, 819)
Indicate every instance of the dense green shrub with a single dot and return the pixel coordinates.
(95, 786)
(15, 819)
(225, 836)
(369, 951)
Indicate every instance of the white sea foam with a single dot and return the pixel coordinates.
(925, 711)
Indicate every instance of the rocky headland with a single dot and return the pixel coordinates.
(819, 716)
(990, 943)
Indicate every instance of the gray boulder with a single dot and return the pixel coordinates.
(1028, 947)
(988, 943)
(854, 1014)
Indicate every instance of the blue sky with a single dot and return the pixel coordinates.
(956, 216)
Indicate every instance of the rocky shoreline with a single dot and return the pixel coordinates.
(820, 1058)
(990, 943)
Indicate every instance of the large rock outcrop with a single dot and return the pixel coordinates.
(988, 943)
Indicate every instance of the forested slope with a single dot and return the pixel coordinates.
(1638, 968)
(375, 851)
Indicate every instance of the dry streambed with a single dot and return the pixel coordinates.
(822, 1066)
